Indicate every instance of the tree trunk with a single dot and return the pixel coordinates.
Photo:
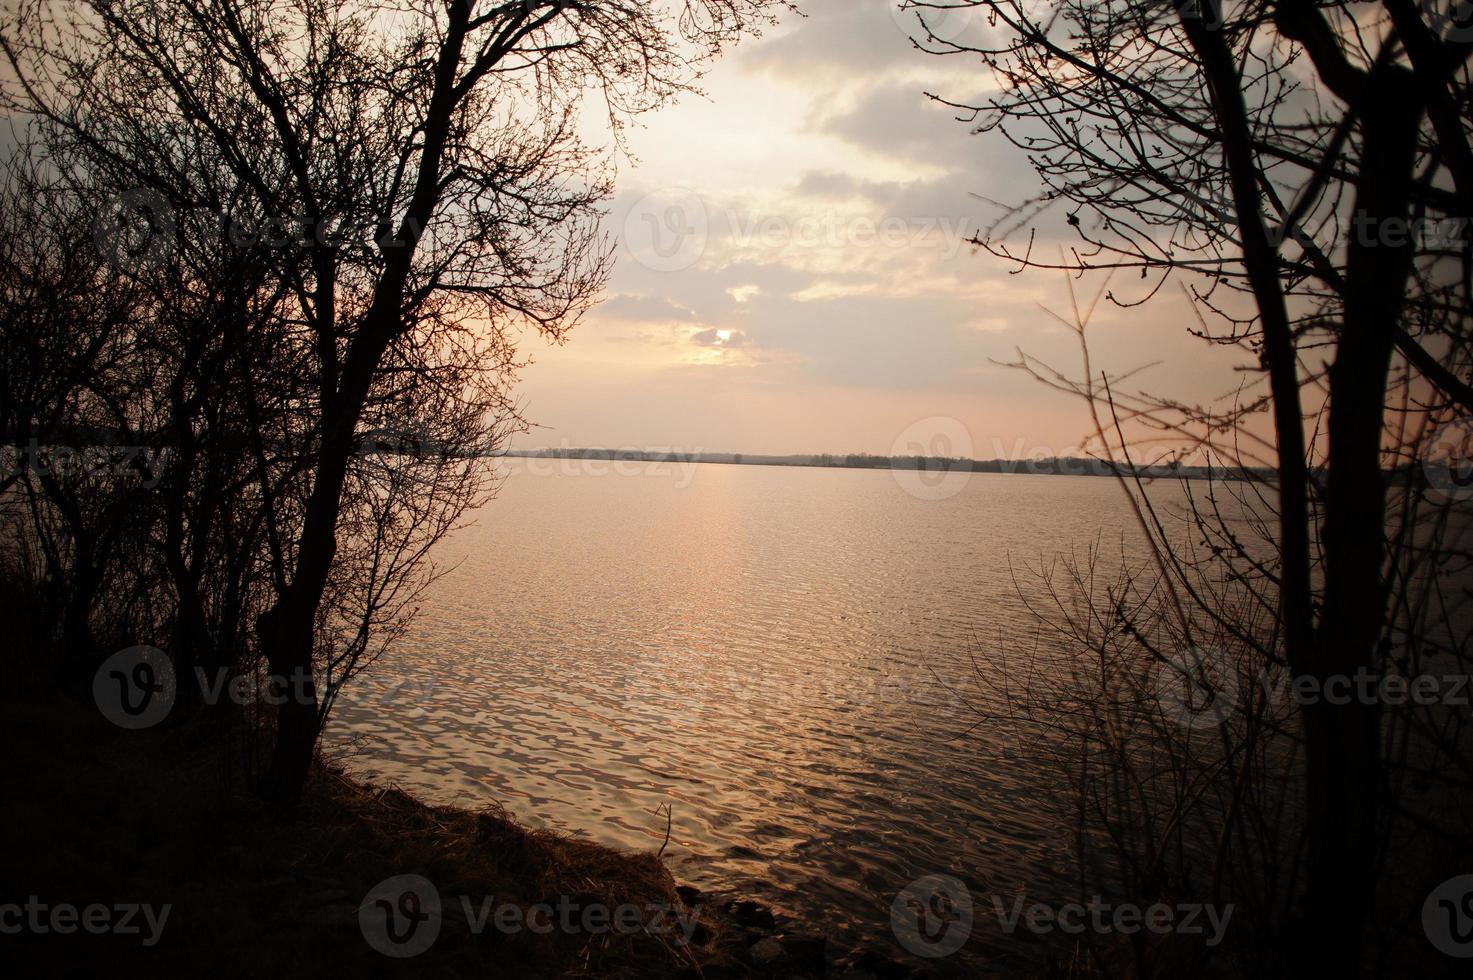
(1342, 741)
(290, 624)
(287, 633)
(287, 630)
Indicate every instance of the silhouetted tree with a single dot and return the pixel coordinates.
(1305, 172)
(395, 189)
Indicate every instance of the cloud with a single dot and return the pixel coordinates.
(835, 37)
(949, 199)
(800, 238)
(830, 184)
(898, 120)
(642, 308)
(720, 338)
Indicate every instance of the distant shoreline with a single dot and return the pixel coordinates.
(1048, 466)
(124, 450)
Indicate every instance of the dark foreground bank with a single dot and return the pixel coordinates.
(142, 852)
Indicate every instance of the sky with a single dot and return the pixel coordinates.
(792, 274)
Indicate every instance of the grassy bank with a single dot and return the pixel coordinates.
(96, 816)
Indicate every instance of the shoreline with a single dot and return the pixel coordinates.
(360, 878)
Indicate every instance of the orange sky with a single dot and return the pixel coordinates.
(792, 274)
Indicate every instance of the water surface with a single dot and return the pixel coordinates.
(790, 659)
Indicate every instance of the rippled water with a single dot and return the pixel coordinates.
(790, 658)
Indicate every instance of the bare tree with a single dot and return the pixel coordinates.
(424, 161)
(1302, 172)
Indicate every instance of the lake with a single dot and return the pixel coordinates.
(791, 658)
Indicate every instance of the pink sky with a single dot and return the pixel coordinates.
(793, 276)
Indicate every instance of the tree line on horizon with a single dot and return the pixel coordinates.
(1040, 465)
